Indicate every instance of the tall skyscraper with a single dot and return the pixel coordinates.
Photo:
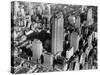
(57, 35)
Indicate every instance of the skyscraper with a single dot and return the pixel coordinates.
(37, 49)
(57, 35)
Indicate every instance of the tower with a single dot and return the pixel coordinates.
(57, 35)
(36, 49)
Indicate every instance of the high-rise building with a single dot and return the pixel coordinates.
(90, 17)
(48, 60)
(57, 35)
(74, 40)
(77, 22)
(70, 53)
(37, 49)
